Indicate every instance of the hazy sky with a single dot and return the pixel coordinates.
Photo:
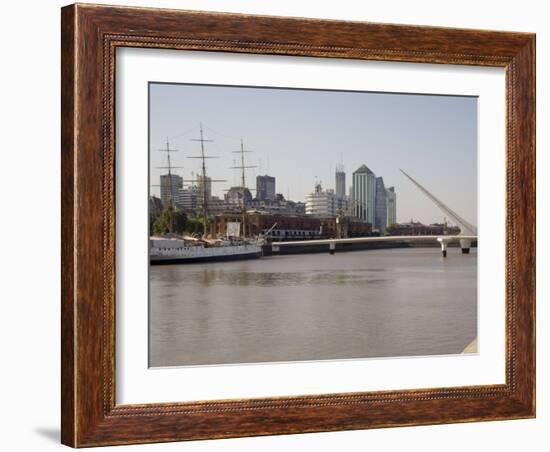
(299, 136)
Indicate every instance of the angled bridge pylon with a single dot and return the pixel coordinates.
(466, 228)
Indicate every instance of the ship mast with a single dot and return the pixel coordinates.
(204, 180)
(171, 204)
(242, 167)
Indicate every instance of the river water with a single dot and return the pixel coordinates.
(361, 304)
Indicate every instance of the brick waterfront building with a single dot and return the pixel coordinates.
(293, 227)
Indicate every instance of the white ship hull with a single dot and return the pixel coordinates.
(174, 251)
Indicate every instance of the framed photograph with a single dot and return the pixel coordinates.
(281, 225)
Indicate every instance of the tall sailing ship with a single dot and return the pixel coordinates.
(173, 249)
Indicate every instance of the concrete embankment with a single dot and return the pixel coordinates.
(472, 347)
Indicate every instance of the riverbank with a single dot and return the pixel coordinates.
(472, 347)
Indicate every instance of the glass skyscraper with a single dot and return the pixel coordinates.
(364, 194)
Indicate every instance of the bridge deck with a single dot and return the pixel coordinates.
(389, 238)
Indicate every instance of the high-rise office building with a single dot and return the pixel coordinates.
(170, 185)
(265, 188)
(391, 205)
(340, 181)
(364, 194)
(380, 209)
(205, 183)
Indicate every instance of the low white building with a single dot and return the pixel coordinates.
(189, 198)
(321, 203)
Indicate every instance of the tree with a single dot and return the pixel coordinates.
(161, 224)
(152, 219)
(194, 225)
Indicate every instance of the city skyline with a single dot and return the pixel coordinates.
(312, 155)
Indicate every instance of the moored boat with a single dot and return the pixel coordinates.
(172, 250)
(169, 248)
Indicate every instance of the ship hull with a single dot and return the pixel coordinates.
(177, 251)
(168, 260)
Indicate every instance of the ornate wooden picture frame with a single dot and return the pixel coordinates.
(90, 37)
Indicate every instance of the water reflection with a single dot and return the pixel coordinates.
(375, 303)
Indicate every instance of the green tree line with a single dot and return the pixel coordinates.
(182, 223)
